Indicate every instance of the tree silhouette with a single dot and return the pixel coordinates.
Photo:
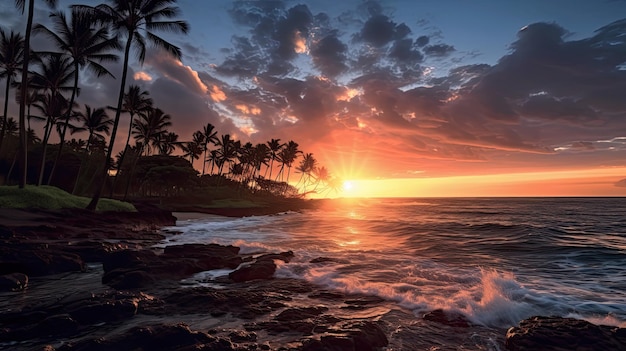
(136, 20)
(11, 56)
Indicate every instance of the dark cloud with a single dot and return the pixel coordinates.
(379, 31)
(329, 55)
(438, 50)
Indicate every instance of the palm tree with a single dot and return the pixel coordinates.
(134, 18)
(168, 143)
(275, 147)
(87, 46)
(95, 121)
(52, 105)
(287, 156)
(210, 136)
(149, 128)
(11, 54)
(194, 149)
(226, 152)
(136, 102)
(306, 167)
(20, 4)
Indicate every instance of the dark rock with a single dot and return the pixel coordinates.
(156, 337)
(123, 279)
(263, 269)
(57, 325)
(38, 260)
(561, 334)
(13, 282)
(297, 314)
(447, 318)
(128, 259)
(241, 336)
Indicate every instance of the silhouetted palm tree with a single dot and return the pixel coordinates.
(226, 152)
(87, 45)
(52, 105)
(136, 20)
(168, 143)
(11, 55)
(149, 128)
(95, 121)
(20, 4)
(275, 147)
(287, 156)
(136, 102)
(210, 137)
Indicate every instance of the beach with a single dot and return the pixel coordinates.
(189, 280)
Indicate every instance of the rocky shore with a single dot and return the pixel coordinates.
(75, 280)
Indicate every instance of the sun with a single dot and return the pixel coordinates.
(347, 186)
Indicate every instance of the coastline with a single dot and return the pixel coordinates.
(131, 294)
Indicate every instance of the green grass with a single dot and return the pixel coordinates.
(52, 198)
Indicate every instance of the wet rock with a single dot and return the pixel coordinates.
(356, 336)
(37, 260)
(560, 334)
(156, 337)
(262, 268)
(13, 282)
(450, 319)
(300, 313)
(57, 325)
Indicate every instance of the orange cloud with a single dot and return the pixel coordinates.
(143, 76)
(217, 94)
(299, 43)
(253, 110)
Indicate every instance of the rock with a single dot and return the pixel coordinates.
(561, 334)
(356, 336)
(447, 318)
(257, 270)
(128, 259)
(13, 282)
(297, 314)
(262, 268)
(155, 337)
(38, 260)
(128, 279)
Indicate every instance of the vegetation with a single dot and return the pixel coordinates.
(159, 163)
(52, 198)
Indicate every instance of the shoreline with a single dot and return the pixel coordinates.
(136, 295)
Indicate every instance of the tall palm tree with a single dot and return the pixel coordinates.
(275, 147)
(149, 128)
(194, 148)
(87, 45)
(287, 156)
(20, 4)
(305, 168)
(210, 137)
(135, 19)
(52, 106)
(226, 152)
(95, 121)
(11, 54)
(136, 102)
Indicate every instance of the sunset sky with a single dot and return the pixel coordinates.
(402, 97)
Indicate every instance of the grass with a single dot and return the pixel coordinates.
(52, 198)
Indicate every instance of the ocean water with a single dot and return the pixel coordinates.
(494, 260)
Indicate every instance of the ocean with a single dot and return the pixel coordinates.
(495, 261)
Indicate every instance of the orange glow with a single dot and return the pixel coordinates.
(299, 43)
(217, 94)
(590, 182)
(141, 75)
(248, 110)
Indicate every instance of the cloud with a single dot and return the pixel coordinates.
(621, 183)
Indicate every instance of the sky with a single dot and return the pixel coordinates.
(402, 97)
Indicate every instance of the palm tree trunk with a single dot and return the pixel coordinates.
(100, 187)
(132, 172)
(6, 105)
(82, 161)
(121, 161)
(46, 137)
(67, 121)
(204, 158)
(23, 151)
